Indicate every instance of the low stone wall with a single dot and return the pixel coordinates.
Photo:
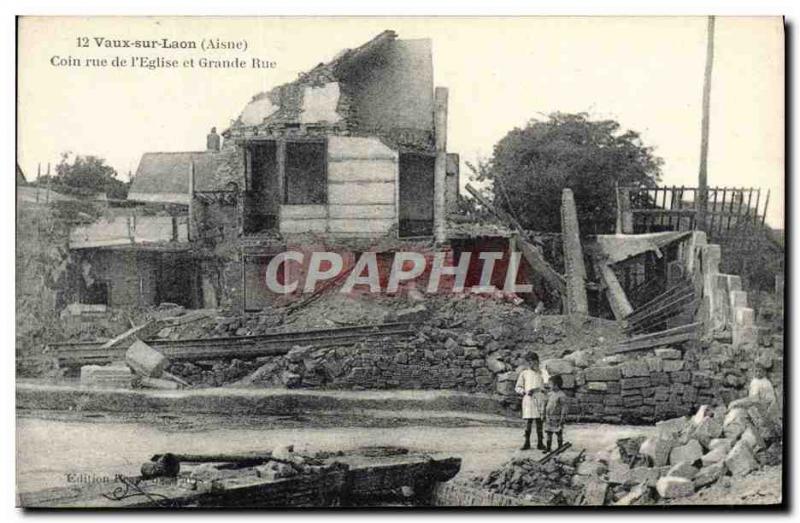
(639, 388)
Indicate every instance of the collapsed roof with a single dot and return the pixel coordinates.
(384, 87)
(164, 176)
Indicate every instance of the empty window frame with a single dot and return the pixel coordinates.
(305, 173)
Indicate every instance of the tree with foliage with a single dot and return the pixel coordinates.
(88, 175)
(530, 167)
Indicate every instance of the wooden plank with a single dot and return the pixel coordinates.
(669, 332)
(617, 299)
(657, 342)
(673, 302)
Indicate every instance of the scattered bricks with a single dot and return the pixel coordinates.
(632, 401)
(659, 378)
(613, 387)
(612, 410)
(682, 376)
(690, 452)
(597, 386)
(556, 367)
(655, 364)
(476, 364)
(612, 400)
(635, 369)
(740, 460)
(683, 469)
(472, 353)
(735, 424)
(594, 492)
(716, 455)
(451, 344)
(648, 391)
(668, 354)
(649, 400)
(657, 449)
(672, 365)
(673, 487)
(708, 475)
(602, 374)
(634, 383)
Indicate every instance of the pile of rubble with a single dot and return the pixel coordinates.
(546, 481)
(685, 455)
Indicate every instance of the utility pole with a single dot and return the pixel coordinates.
(702, 184)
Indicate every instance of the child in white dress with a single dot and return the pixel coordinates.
(530, 384)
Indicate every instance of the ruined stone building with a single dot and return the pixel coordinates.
(352, 154)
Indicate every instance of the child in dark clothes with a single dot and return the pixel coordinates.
(555, 412)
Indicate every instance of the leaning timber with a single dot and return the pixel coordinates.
(345, 481)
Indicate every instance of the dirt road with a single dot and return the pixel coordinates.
(55, 452)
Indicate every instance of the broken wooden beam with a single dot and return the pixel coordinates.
(617, 299)
(658, 340)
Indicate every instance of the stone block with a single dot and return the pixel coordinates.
(672, 365)
(655, 364)
(753, 439)
(683, 469)
(682, 376)
(635, 369)
(715, 455)
(725, 443)
(638, 475)
(634, 383)
(579, 358)
(701, 380)
(495, 365)
(659, 378)
(559, 366)
(602, 374)
(613, 387)
(690, 452)
(735, 423)
(671, 487)
(657, 449)
(597, 386)
(709, 474)
(594, 492)
(740, 460)
(668, 354)
(632, 401)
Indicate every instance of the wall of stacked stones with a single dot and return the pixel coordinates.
(639, 388)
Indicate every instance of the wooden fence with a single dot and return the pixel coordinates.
(729, 209)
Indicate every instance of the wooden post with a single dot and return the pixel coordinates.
(440, 167)
(190, 225)
(576, 302)
(702, 203)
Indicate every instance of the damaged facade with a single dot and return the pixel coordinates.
(352, 154)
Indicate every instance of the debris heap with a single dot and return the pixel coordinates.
(685, 455)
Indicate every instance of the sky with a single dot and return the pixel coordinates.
(646, 73)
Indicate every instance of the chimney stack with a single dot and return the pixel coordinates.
(213, 140)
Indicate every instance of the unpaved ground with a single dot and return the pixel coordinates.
(49, 450)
